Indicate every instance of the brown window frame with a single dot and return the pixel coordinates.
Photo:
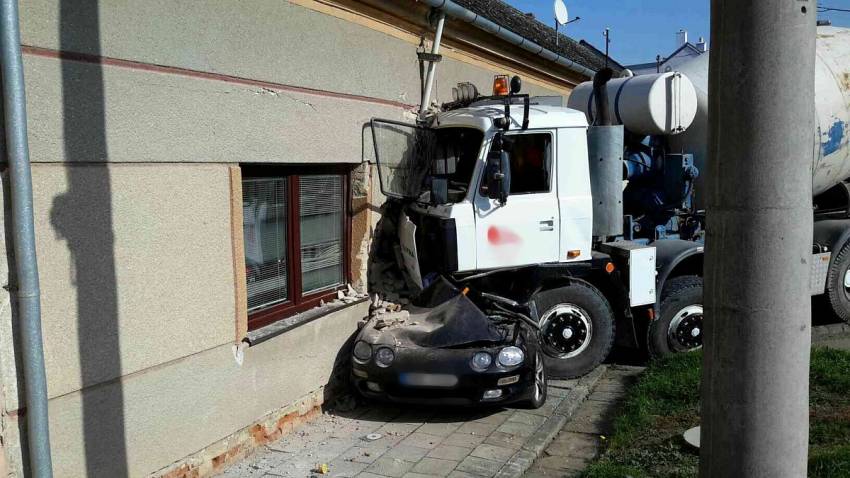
(296, 301)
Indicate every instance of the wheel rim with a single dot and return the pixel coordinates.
(539, 379)
(847, 280)
(685, 331)
(566, 331)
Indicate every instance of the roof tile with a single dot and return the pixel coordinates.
(528, 27)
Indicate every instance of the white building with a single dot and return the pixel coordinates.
(685, 51)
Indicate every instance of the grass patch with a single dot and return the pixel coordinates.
(664, 402)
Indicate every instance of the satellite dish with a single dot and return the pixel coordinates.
(561, 12)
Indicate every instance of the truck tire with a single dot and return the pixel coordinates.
(679, 325)
(576, 329)
(838, 284)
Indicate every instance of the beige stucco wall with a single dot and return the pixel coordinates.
(138, 314)
(134, 237)
(270, 40)
(143, 253)
(180, 407)
(157, 117)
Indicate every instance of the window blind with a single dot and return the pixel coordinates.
(321, 222)
(264, 211)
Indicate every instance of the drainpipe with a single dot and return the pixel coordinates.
(458, 12)
(429, 78)
(23, 237)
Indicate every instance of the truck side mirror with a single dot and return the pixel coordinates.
(498, 175)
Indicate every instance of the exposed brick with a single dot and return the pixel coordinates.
(183, 471)
(240, 444)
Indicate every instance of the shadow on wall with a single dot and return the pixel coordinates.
(82, 216)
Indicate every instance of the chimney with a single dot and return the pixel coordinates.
(702, 46)
(681, 37)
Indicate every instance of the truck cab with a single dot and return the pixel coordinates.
(547, 212)
(501, 187)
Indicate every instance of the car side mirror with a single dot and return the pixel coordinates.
(498, 175)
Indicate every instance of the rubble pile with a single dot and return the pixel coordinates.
(384, 275)
(388, 314)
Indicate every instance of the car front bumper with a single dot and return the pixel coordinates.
(443, 377)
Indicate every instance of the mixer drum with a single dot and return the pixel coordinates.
(830, 152)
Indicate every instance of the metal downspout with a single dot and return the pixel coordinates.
(429, 79)
(458, 12)
(23, 236)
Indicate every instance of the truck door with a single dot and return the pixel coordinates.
(524, 230)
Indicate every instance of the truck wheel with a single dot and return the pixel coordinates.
(679, 326)
(838, 284)
(576, 329)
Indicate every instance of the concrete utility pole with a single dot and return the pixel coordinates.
(758, 315)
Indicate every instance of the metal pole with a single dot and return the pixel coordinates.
(429, 79)
(607, 42)
(758, 250)
(23, 236)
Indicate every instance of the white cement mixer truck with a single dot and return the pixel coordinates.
(830, 152)
(597, 228)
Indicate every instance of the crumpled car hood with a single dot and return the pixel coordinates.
(455, 322)
(450, 323)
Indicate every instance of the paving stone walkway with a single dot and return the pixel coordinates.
(382, 441)
(581, 439)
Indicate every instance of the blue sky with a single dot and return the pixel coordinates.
(641, 29)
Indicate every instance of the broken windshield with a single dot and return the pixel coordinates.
(426, 164)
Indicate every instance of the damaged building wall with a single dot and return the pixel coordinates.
(137, 278)
(137, 112)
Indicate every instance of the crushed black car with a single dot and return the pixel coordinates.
(456, 347)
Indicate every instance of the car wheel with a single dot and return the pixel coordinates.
(541, 384)
(576, 329)
(679, 326)
(838, 284)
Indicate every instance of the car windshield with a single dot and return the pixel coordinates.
(422, 163)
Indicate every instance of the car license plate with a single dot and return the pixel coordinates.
(428, 380)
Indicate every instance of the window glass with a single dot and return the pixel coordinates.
(321, 231)
(455, 155)
(264, 228)
(531, 162)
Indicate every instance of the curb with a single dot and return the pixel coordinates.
(536, 443)
(822, 332)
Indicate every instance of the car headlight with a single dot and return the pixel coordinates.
(384, 357)
(481, 361)
(362, 351)
(510, 356)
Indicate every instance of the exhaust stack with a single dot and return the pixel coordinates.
(605, 153)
